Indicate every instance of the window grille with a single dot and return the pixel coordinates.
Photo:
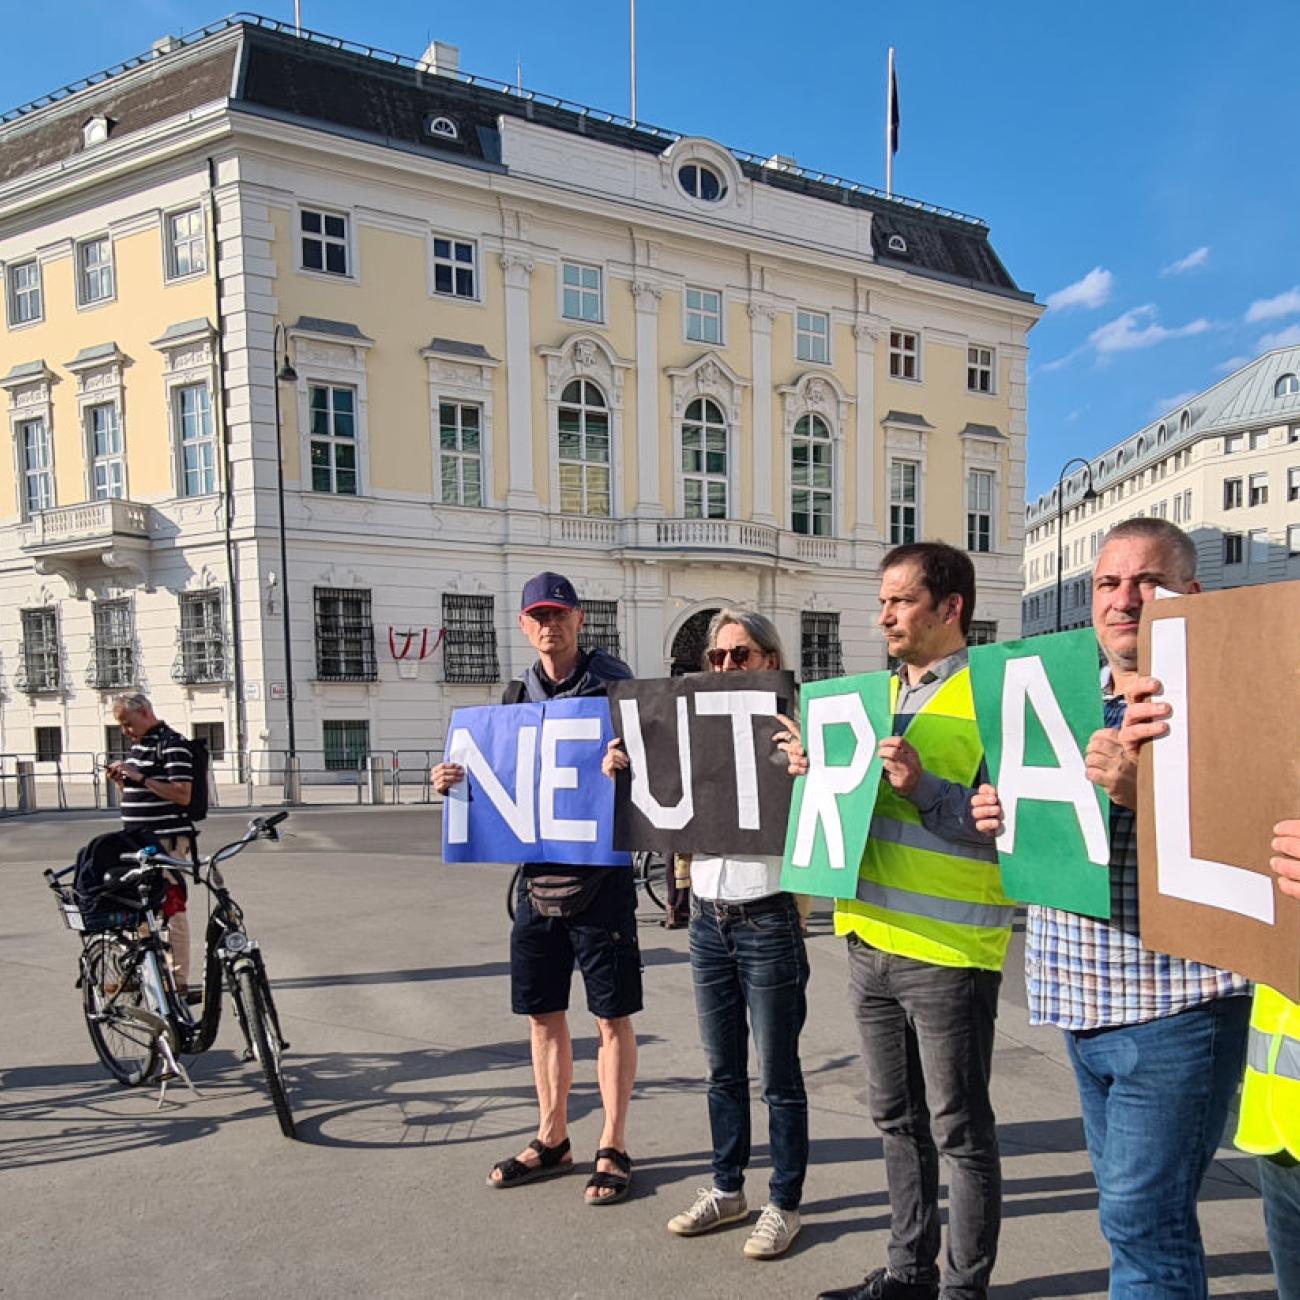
(600, 626)
(904, 496)
(201, 639)
(49, 744)
(821, 655)
(39, 666)
(324, 241)
(186, 251)
(470, 644)
(982, 632)
(812, 336)
(345, 636)
(704, 461)
(112, 646)
(346, 743)
(812, 460)
(454, 265)
(583, 427)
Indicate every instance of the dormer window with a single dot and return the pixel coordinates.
(701, 182)
(1286, 386)
(1184, 421)
(442, 127)
(94, 130)
(896, 244)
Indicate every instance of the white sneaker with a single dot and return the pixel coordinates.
(711, 1210)
(775, 1230)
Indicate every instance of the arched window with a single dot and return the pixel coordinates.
(1184, 422)
(704, 461)
(812, 481)
(1286, 386)
(584, 450)
(701, 182)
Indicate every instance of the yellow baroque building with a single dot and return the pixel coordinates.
(484, 332)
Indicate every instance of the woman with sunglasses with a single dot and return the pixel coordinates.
(747, 954)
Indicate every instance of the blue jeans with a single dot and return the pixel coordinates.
(751, 956)
(1281, 1187)
(1155, 1097)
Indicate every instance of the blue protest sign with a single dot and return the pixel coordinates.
(533, 789)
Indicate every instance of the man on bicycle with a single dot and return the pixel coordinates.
(156, 780)
(565, 915)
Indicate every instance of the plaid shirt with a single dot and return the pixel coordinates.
(1082, 973)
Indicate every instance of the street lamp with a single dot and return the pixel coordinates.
(1089, 493)
(286, 374)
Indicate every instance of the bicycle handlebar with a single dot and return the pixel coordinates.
(151, 858)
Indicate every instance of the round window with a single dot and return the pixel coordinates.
(701, 182)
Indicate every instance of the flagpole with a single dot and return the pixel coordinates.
(632, 53)
(889, 125)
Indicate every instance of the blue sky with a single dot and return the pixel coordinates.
(1136, 161)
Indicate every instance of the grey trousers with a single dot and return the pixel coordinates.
(927, 1043)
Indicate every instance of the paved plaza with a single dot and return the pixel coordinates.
(411, 1077)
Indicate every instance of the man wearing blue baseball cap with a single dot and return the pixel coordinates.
(566, 916)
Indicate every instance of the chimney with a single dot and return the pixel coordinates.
(164, 45)
(441, 59)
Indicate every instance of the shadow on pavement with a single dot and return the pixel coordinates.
(483, 970)
(1095, 1281)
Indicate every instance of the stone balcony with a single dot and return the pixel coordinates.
(79, 542)
(715, 539)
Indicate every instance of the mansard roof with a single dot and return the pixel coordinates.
(262, 66)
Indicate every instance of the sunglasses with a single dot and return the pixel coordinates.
(739, 656)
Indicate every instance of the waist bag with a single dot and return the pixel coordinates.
(563, 896)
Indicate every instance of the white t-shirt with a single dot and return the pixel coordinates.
(735, 880)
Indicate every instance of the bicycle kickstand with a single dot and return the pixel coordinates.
(172, 1070)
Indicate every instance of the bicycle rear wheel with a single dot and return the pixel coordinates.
(264, 1039)
(512, 891)
(651, 870)
(111, 996)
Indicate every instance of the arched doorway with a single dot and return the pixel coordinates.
(690, 641)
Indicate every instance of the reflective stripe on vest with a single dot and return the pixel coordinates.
(914, 836)
(918, 895)
(952, 910)
(1259, 1047)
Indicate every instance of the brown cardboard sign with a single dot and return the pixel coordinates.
(1211, 790)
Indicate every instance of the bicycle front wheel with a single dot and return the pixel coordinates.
(264, 1039)
(512, 891)
(115, 1007)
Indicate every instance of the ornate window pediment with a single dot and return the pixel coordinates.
(708, 376)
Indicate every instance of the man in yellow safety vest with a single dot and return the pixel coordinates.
(1269, 1121)
(927, 934)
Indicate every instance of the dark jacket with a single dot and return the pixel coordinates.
(594, 669)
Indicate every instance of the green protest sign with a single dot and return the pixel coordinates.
(843, 721)
(1037, 702)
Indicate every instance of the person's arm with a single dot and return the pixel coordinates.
(945, 808)
(1111, 759)
(176, 791)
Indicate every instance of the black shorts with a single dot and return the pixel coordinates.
(601, 939)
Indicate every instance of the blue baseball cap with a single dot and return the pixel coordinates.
(549, 589)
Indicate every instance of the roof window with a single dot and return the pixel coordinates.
(701, 182)
(896, 244)
(441, 126)
(1286, 386)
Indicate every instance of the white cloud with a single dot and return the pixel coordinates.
(1285, 304)
(1170, 403)
(1092, 291)
(1231, 364)
(1138, 328)
(1194, 260)
(1287, 338)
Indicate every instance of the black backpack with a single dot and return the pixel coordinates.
(201, 763)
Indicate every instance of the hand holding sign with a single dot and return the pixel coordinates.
(1286, 843)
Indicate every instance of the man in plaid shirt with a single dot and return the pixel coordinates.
(1157, 1042)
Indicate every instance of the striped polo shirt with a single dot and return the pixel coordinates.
(161, 754)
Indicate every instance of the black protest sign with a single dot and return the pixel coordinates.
(704, 774)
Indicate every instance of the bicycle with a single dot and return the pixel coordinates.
(649, 870)
(136, 1017)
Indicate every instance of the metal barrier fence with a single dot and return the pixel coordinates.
(256, 776)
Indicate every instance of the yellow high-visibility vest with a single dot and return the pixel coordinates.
(918, 895)
(1269, 1120)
